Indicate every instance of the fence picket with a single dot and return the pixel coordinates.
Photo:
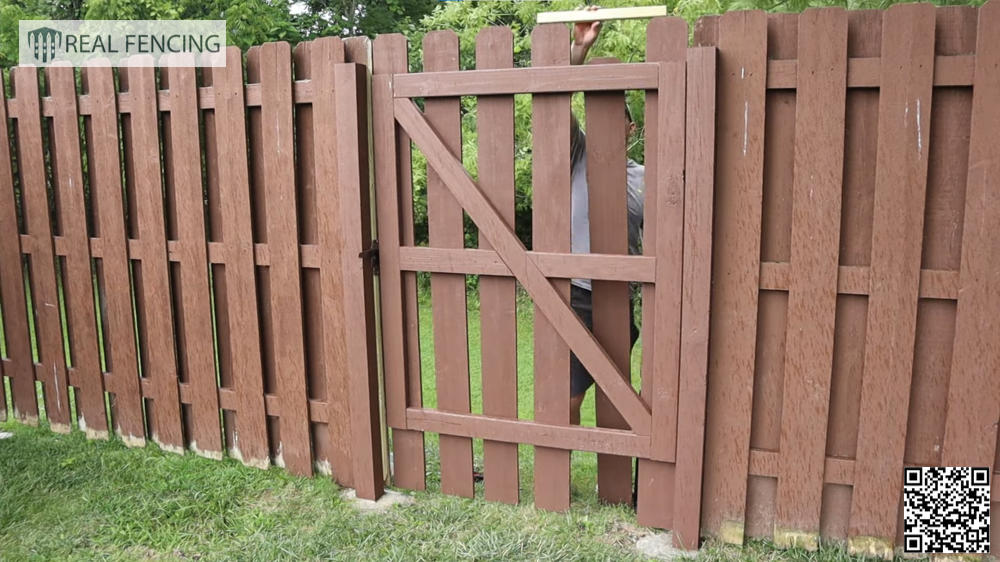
(78, 282)
(497, 304)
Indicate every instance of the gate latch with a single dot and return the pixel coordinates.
(371, 253)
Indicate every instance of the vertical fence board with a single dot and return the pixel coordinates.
(195, 318)
(904, 120)
(812, 299)
(970, 430)
(358, 289)
(400, 341)
(324, 54)
(282, 239)
(236, 291)
(698, 182)
(78, 283)
(742, 43)
(497, 305)
(550, 123)
(445, 230)
(104, 167)
(42, 268)
(666, 40)
(608, 223)
(18, 366)
(157, 355)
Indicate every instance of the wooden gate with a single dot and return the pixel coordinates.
(662, 426)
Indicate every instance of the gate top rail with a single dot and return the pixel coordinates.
(534, 80)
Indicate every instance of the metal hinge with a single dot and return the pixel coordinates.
(371, 253)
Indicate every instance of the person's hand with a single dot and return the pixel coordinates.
(585, 32)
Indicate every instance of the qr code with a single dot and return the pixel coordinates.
(946, 510)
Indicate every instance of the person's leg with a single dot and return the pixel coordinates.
(579, 379)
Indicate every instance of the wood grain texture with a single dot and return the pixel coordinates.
(497, 304)
(42, 272)
(566, 79)
(186, 202)
(970, 431)
(236, 290)
(152, 283)
(18, 366)
(900, 182)
(394, 202)
(552, 264)
(285, 300)
(113, 272)
(78, 282)
(448, 304)
(550, 231)
(742, 44)
(812, 298)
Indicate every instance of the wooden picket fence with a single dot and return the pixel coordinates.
(216, 270)
(820, 270)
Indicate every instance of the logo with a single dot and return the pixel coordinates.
(44, 42)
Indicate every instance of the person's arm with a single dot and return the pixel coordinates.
(584, 35)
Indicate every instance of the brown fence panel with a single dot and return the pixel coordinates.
(18, 365)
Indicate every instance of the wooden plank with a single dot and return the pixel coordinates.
(697, 270)
(445, 230)
(666, 40)
(113, 271)
(18, 365)
(900, 183)
(552, 264)
(742, 42)
(602, 14)
(608, 218)
(321, 216)
(553, 436)
(812, 299)
(285, 300)
(78, 282)
(970, 433)
(236, 290)
(351, 101)
(151, 277)
(397, 297)
(567, 79)
(550, 231)
(196, 340)
(864, 72)
(497, 296)
(42, 265)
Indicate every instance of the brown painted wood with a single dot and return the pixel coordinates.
(562, 437)
(606, 127)
(666, 40)
(445, 229)
(394, 199)
(863, 72)
(453, 82)
(78, 284)
(815, 239)
(113, 272)
(735, 255)
(497, 304)
(42, 265)
(550, 172)
(236, 291)
(552, 264)
(699, 153)
(184, 187)
(900, 182)
(970, 433)
(18, 365)
(320, 215)
(285, 299)
(361, 361)
(151, 277)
